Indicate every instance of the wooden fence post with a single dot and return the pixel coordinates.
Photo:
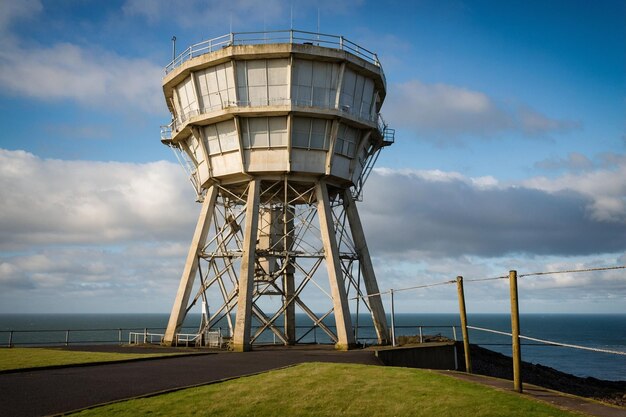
(393, 320)
(517, 353)
(466, 344)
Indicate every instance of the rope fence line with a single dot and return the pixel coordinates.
(607, 268)
(550, 342)
(424, 286)
(512, 277)
(486, 279)
(435, 284)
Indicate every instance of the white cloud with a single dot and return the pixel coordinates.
(575, 161)
(533, 123)
(436, 175)
(11, 11)
(130, 278)
(443, 112)
(52, 201)
(91, 236)
(75, 233)
(93, 77)
(584, 292)
(605, 188)
(446, 214)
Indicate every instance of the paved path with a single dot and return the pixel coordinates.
(53, 391)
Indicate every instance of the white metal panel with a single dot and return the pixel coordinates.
(303, 72)
(210, 133)
(315, 83)
(347, 139)
(319, 133)
(322, 83)
(341, 167)
(257, 95)
(277, 71)
(358, 94)
(215, 101)
(220, 78)
(346, 100)
(368, 97)
(257, 72)
(212, 79)
(226, 164)
(230, 83)
(187, 98)
(259, 136)
(227, 135)
(278, 81)
(201, 82)
(278, 131)
(300, 132)
(242, 82)
(310, 133)
(267, 160)
(257, 82)
(302, 82)
(308, 161)
(194, 147)
(203, 172)
(216, 85)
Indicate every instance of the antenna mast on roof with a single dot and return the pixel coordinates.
(318, 22)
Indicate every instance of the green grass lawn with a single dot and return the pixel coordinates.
(320, 389)
(19, 358)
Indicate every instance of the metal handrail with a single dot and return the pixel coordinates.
(273, 37)
(179, 122)
(52, 337)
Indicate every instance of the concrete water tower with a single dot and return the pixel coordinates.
(278, 131)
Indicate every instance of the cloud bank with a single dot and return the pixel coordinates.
(48, 202)
(447, 214)
(74, 231)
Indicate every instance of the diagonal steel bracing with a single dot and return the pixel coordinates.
(262, 256)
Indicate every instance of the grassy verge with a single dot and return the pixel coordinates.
(20, 358)
(317, 389)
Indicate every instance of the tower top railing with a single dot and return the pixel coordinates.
(272, 37)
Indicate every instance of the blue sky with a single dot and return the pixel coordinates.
(510, 147)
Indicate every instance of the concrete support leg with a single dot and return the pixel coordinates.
(345, 335)
(243, 323)
(179, 310)
(367, 269)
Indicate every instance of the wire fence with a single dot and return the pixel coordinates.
(515, 333)
(120, 335)
(453, 282)
(549, 342)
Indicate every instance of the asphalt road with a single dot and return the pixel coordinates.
(54, 391)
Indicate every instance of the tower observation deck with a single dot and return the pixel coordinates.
(278, 132)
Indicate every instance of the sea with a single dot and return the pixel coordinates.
(599, 331)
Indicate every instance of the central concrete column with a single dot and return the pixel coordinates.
(288, 278)
(243, 323)
(345, 335)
